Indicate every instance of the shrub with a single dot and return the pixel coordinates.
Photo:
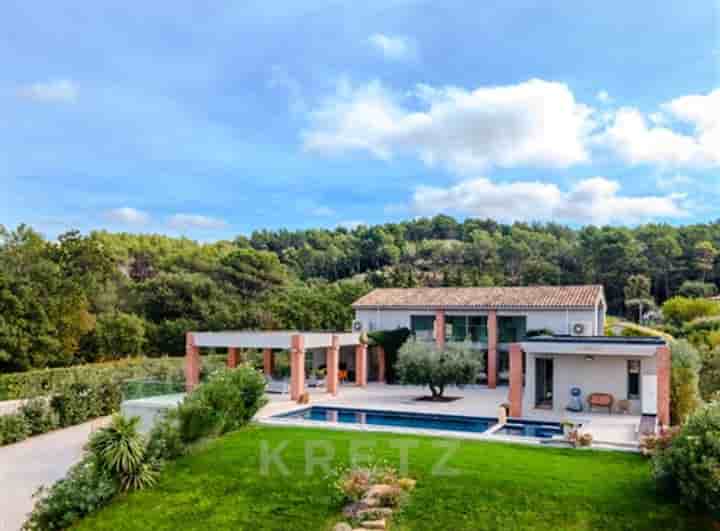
(390, 341)
(422, 363)
(710, 373)
(696, 289)
(165, 440)
(13, 428)
(679, 310)
(685, 380)
(120, 452)
(691, 465)
(85, 489)
(226, 402)
(39, 416)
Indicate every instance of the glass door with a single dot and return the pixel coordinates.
(544, 383)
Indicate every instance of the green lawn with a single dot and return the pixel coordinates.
(493, 486)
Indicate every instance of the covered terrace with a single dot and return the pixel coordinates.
(297, 343)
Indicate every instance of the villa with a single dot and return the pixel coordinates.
(546, 360)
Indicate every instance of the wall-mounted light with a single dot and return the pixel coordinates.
(589, 358)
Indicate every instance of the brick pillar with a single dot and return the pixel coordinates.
(440, 329)
(297, 367)
(381, 363)
(492, 365)
(516, 380)
(361, 365)
(192, 363)
(232, 358)
(268, 361)
(663, 385)
(332, 362)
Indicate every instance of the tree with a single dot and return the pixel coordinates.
(705, 255)
(680, 310)
(253, 272)
(637, 295)
(421, 363)
(120, 335)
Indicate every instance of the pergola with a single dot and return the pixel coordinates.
(295, 342)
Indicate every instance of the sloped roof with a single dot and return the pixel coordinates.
(548, 297)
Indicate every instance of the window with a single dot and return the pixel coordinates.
(633, 379)
(422, 326)
(512, 329)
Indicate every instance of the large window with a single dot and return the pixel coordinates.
(466, 328)
(422, 326)
(633, 379)
(512, 329)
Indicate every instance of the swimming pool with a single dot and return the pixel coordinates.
(399, 419)
(425, 421)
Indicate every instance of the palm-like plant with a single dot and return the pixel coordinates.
(120, 451)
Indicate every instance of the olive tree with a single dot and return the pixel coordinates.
(421, 363)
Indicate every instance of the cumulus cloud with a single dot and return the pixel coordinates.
(54, 91)
(604, 97)
(595, 200)
(637, 141)
(195, 221)
(128, 216)
(393, 47)
(535, 123)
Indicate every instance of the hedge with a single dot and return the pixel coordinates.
(31, 384)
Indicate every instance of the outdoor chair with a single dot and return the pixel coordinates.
(277, 386)
(600, 400)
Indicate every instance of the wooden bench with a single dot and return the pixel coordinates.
(600, 400)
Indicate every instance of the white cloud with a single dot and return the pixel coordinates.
(128, 215)
(604, 97)
(195, 221)
(635, 141)
(595, 200)
(393, 47)
(55, 91)
(535, 123)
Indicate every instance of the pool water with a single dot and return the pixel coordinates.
(394, 418)
(529, 428)
(425, 421)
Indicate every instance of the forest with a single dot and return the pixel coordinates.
(102, 296)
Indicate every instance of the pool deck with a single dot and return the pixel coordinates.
(617, 432)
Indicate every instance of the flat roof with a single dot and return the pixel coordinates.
(277, 339)
(593, 345)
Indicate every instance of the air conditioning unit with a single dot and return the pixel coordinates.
(581, 329)
(357, 325)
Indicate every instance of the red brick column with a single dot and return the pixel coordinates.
(361, 365)
(297, 367)
(232, 358)
(332, 362)
(663, 384)
(192, 363)
(381, 363)
(492, 365)
(268, 361)
(516, 380)
(440, 329)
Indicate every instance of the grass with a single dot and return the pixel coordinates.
(490, 486)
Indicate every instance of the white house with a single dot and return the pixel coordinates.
(541, 341)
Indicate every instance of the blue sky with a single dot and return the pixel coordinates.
(180, 118)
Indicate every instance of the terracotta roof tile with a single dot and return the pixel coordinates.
(555, 297)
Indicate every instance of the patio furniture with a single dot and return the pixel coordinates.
(277, 386)
(314, 381)
(624, 407)
(600, 400)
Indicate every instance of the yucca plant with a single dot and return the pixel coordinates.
(120, 451)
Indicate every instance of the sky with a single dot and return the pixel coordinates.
(213, 119)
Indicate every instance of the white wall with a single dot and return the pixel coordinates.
(604, 374)
(557, 321)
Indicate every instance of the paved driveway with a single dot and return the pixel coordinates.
(27, 465)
